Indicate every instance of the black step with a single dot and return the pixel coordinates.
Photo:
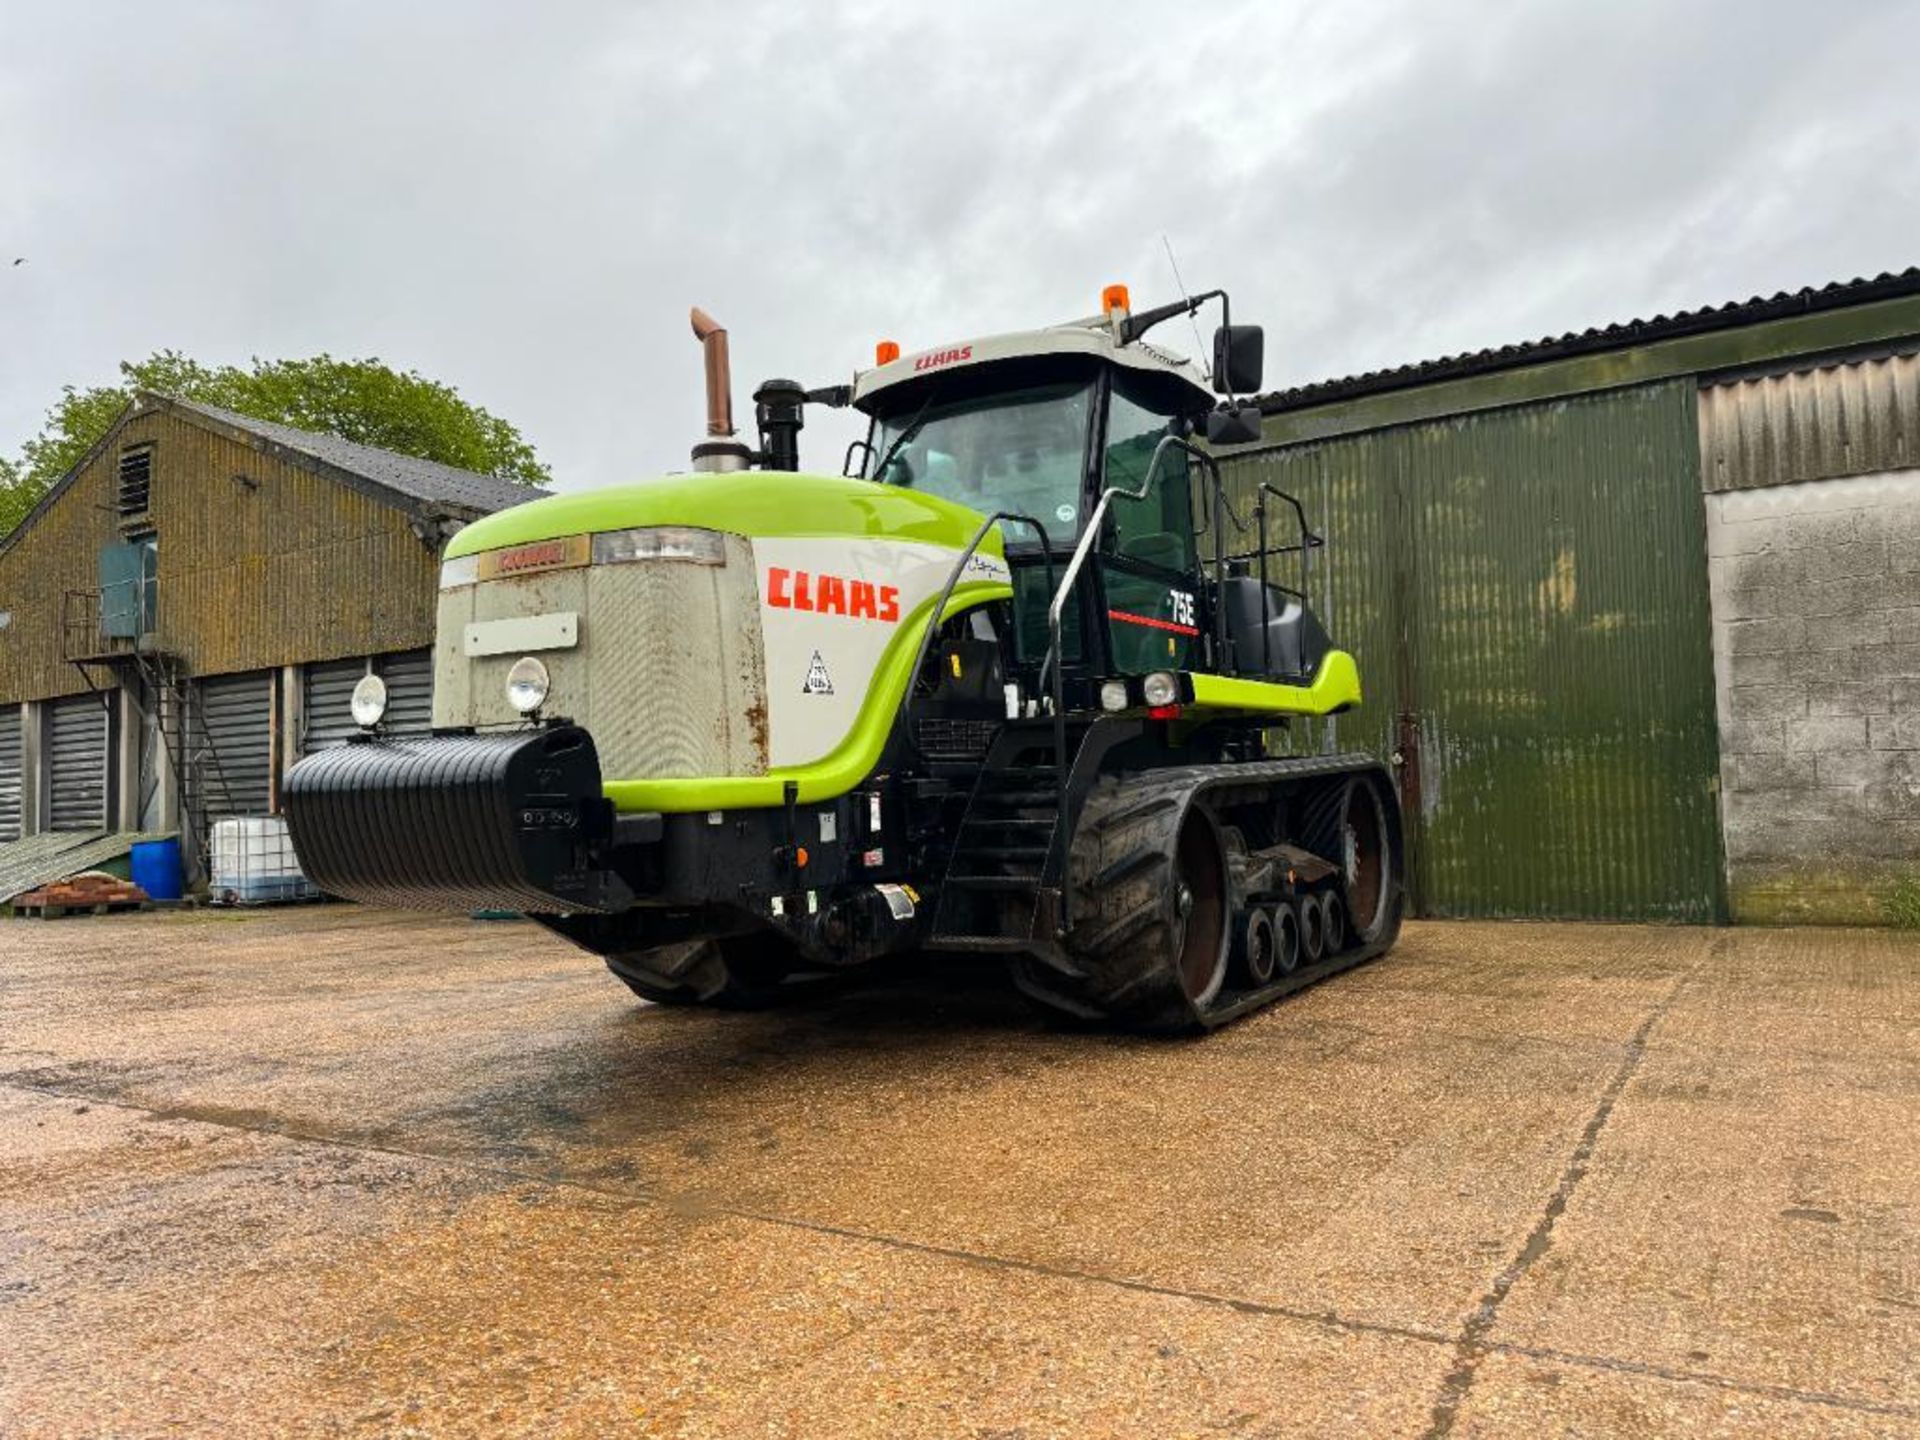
(988, 944)
(1030, 798)
(1008, 883)
(1005, 852)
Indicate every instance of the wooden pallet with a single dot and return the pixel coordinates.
(44, 911)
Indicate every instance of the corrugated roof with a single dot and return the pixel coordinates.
(1730, 316)
(427, 481)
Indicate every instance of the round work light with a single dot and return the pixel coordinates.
(369, 701)
(527, 685)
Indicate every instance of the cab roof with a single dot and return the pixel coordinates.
(1097, 337)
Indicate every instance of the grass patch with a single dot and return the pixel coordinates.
(1903, 903)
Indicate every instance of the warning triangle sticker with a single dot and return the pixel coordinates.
(818, 682)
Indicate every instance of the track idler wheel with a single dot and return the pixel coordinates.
(1368, 865)
(1200, 909)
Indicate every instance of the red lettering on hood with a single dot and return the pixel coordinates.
(825, 594)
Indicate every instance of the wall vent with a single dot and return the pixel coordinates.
(136, 481)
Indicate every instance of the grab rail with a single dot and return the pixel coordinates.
(1222, 512)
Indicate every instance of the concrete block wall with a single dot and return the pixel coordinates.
(1816, 605)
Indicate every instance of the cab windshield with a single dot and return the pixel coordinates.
(1022, 451)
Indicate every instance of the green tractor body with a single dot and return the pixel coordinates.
(1006, 688)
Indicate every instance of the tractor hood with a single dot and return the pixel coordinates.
(751, 503)
(720, 636)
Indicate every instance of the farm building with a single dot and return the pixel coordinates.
(186, 612)
(1638, 608)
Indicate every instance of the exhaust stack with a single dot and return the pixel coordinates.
(719, 452)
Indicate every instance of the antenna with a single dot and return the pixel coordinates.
(1199, 345)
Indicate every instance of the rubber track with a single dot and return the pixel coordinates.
(1120, 871)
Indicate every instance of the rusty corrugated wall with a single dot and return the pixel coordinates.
(1526, 592)
(261, 563)
(1817, 423)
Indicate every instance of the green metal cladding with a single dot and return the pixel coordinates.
(1525, 590)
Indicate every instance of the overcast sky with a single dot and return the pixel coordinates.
(523, 200)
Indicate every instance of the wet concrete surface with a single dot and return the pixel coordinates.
(332, 1171)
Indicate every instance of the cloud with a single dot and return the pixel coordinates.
(524, 201)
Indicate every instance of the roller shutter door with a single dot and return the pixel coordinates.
(10, 789)
(409, 677)
(233, 745)
(77, 763)
(326, 716)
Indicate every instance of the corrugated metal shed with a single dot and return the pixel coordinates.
(1526, 594)
(1815, 423)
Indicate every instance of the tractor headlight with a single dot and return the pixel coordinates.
(660, 542)
(527, 685)
(460, 571)
(1113, 695)
(1160, 688)
(369, 701)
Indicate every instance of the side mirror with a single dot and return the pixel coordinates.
(1238, 351)
(1240, 426)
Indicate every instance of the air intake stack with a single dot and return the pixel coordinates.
(779, 409)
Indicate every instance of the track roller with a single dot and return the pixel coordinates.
(1336, 923)
(1286, 939)
(1312, 910)
(1256, 950)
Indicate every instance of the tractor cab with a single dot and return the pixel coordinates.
(1043, 424)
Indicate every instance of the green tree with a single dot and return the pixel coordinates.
(359, 400)
(16, 497)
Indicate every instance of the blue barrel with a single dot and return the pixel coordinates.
(156, 868)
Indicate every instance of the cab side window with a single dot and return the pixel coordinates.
(1157, 530)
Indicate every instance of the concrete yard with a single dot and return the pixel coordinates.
(332, 1171)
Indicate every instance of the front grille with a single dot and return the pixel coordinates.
(955, 739)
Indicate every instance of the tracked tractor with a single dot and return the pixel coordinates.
(1009, 685)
